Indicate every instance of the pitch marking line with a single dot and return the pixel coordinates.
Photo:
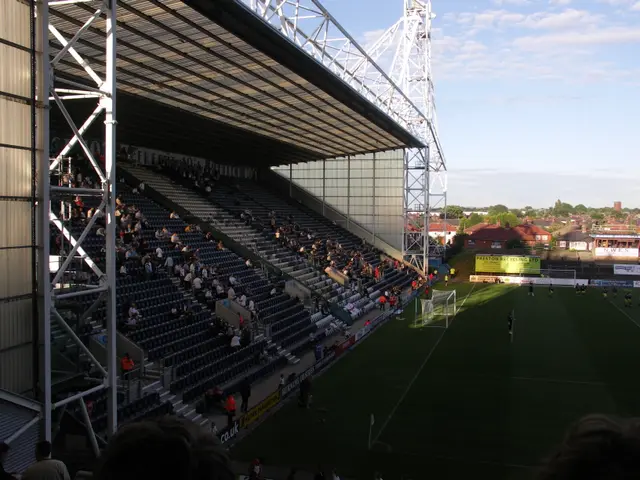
(554, 380)
(625, 314)
(415, 377)
(534, 379)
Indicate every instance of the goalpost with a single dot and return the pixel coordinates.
(438, 311)
(559, 277)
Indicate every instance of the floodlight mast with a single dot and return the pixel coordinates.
(404, 92)
(425, 182)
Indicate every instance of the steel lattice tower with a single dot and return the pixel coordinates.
(406, 49)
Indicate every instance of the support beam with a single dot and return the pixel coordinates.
(109, 102)
(44, 209)
(58, 90)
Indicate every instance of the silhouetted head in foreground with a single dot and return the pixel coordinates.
(167, 448)
(597, 448)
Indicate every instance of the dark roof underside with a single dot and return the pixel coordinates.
(191, 79)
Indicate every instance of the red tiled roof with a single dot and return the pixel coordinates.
(440, 227)
(496, 233)
(529, 231)
(476, 227)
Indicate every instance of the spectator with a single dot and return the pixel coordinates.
(168, 448)
(245, 393)
(134, 314)
(255, 470)
(45, 467)
(127, 364)
(305, 393)
(4, 453)
(235, 341)
(230, 409)
(597, 447)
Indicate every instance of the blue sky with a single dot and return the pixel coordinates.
(537, 99)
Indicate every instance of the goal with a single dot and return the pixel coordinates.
(438, 311)
(559, 277)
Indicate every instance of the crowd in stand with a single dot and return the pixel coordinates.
(321, 252)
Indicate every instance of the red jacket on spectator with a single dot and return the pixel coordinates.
(230, 404)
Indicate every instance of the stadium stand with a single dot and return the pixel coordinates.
(252, 215)
(186, 348)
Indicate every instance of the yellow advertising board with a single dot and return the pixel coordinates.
(507, 264)
(260, 409)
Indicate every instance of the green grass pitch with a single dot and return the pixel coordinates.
(464, 402)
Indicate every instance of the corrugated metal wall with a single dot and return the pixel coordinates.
(369, 193)
(16, 196)
(12, 419)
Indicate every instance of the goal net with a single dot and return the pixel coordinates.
(566, 277)
(438, 311)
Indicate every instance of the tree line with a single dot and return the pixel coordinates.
(513, 216)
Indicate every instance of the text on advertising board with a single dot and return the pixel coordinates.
(260, 409)
(228, 433)
(507, 264)
(626, 269)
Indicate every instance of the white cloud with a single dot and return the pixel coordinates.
(616, 3)
(511, 2)
(569, 18)
(370, 37)
(489, 19)
(604, 36)
(635, 7)
(559, 2)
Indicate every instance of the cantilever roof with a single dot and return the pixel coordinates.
(233, 80)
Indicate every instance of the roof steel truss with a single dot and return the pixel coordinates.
(170, 53)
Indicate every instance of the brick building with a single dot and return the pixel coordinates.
(484, 236)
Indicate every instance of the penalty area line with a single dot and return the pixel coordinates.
(415, 377)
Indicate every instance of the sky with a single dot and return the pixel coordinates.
(536, 99)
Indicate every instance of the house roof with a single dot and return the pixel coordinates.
(497, 233)
(542, 223)
(440, 227)
(575, 236)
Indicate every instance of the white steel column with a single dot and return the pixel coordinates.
(109, 197)
(373, 202)
(53, 285)
(348, 191)
(44, 205)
